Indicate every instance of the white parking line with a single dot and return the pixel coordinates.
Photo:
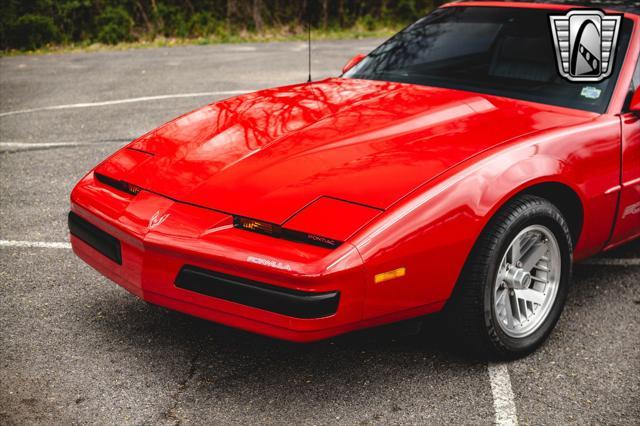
(12, 146)
(34, 244)
(126, 101)
(19, 145)
(503, 401)
(603, 261)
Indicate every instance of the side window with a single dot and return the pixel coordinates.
(636, 77)
(635, 83)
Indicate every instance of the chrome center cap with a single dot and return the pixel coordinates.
(517, 279)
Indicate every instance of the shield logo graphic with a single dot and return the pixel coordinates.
(585, 43)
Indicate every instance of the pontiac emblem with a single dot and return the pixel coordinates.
(157, 220)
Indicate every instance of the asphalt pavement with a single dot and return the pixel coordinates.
(76, 348)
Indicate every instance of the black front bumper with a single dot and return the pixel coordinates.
(293, 303)
(104, 243)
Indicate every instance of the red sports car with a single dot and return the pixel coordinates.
(453, 168)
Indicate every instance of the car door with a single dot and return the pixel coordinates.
(628, 223)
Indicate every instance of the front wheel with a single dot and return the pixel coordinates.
(514, 284)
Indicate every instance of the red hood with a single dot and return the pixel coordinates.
(268, 154)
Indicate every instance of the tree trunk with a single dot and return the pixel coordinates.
(275, 14)
(190, 6)
(256, 11)
(303, 15)
(145, 18)
(230, 10)
(383, 9)
(325, 14)
(157, 19)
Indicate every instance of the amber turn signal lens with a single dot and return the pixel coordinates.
(277, 231)
(118, 184)
(254, 225)
(390, 275)
(132, 189)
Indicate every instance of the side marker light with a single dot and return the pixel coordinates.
(390, 275)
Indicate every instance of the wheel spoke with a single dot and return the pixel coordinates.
(530, 295)
(515, 307)
(522, 304)
(515, 251)
(501, 297)
(501, 272)
(529, 241)
(508, 309)
(533, 256)
(538, 279)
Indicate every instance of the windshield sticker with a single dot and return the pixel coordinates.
(590, 92)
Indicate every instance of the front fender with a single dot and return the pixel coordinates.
(432, 232)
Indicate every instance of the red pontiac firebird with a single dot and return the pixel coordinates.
(453, 168)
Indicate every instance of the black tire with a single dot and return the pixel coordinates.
(471, 305)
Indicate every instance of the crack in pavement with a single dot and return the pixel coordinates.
(170, 413)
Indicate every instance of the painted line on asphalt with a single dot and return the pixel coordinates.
(603, 261)
(503, 401)
(34, 244)
(125, 101)
(18, 146)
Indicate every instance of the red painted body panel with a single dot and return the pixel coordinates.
(628, 222)
(406, 176)
(332, 218)
(367, 142)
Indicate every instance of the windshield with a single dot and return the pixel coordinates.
(501, 51)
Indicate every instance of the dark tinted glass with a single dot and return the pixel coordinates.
(502, 51)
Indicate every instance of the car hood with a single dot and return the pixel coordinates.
(268, 154)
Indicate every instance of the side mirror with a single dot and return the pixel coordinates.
(635, 102)
(353, 62)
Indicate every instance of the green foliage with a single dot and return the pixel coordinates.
(203, 24)
(75, 18)
(367, 22)
(33, 31)
(406, 9)
(29, 24)
(114, 25)
(170, 21)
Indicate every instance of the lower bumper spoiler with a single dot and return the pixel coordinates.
(104, 243)
(297, 304)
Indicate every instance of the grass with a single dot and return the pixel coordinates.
(242, 37)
